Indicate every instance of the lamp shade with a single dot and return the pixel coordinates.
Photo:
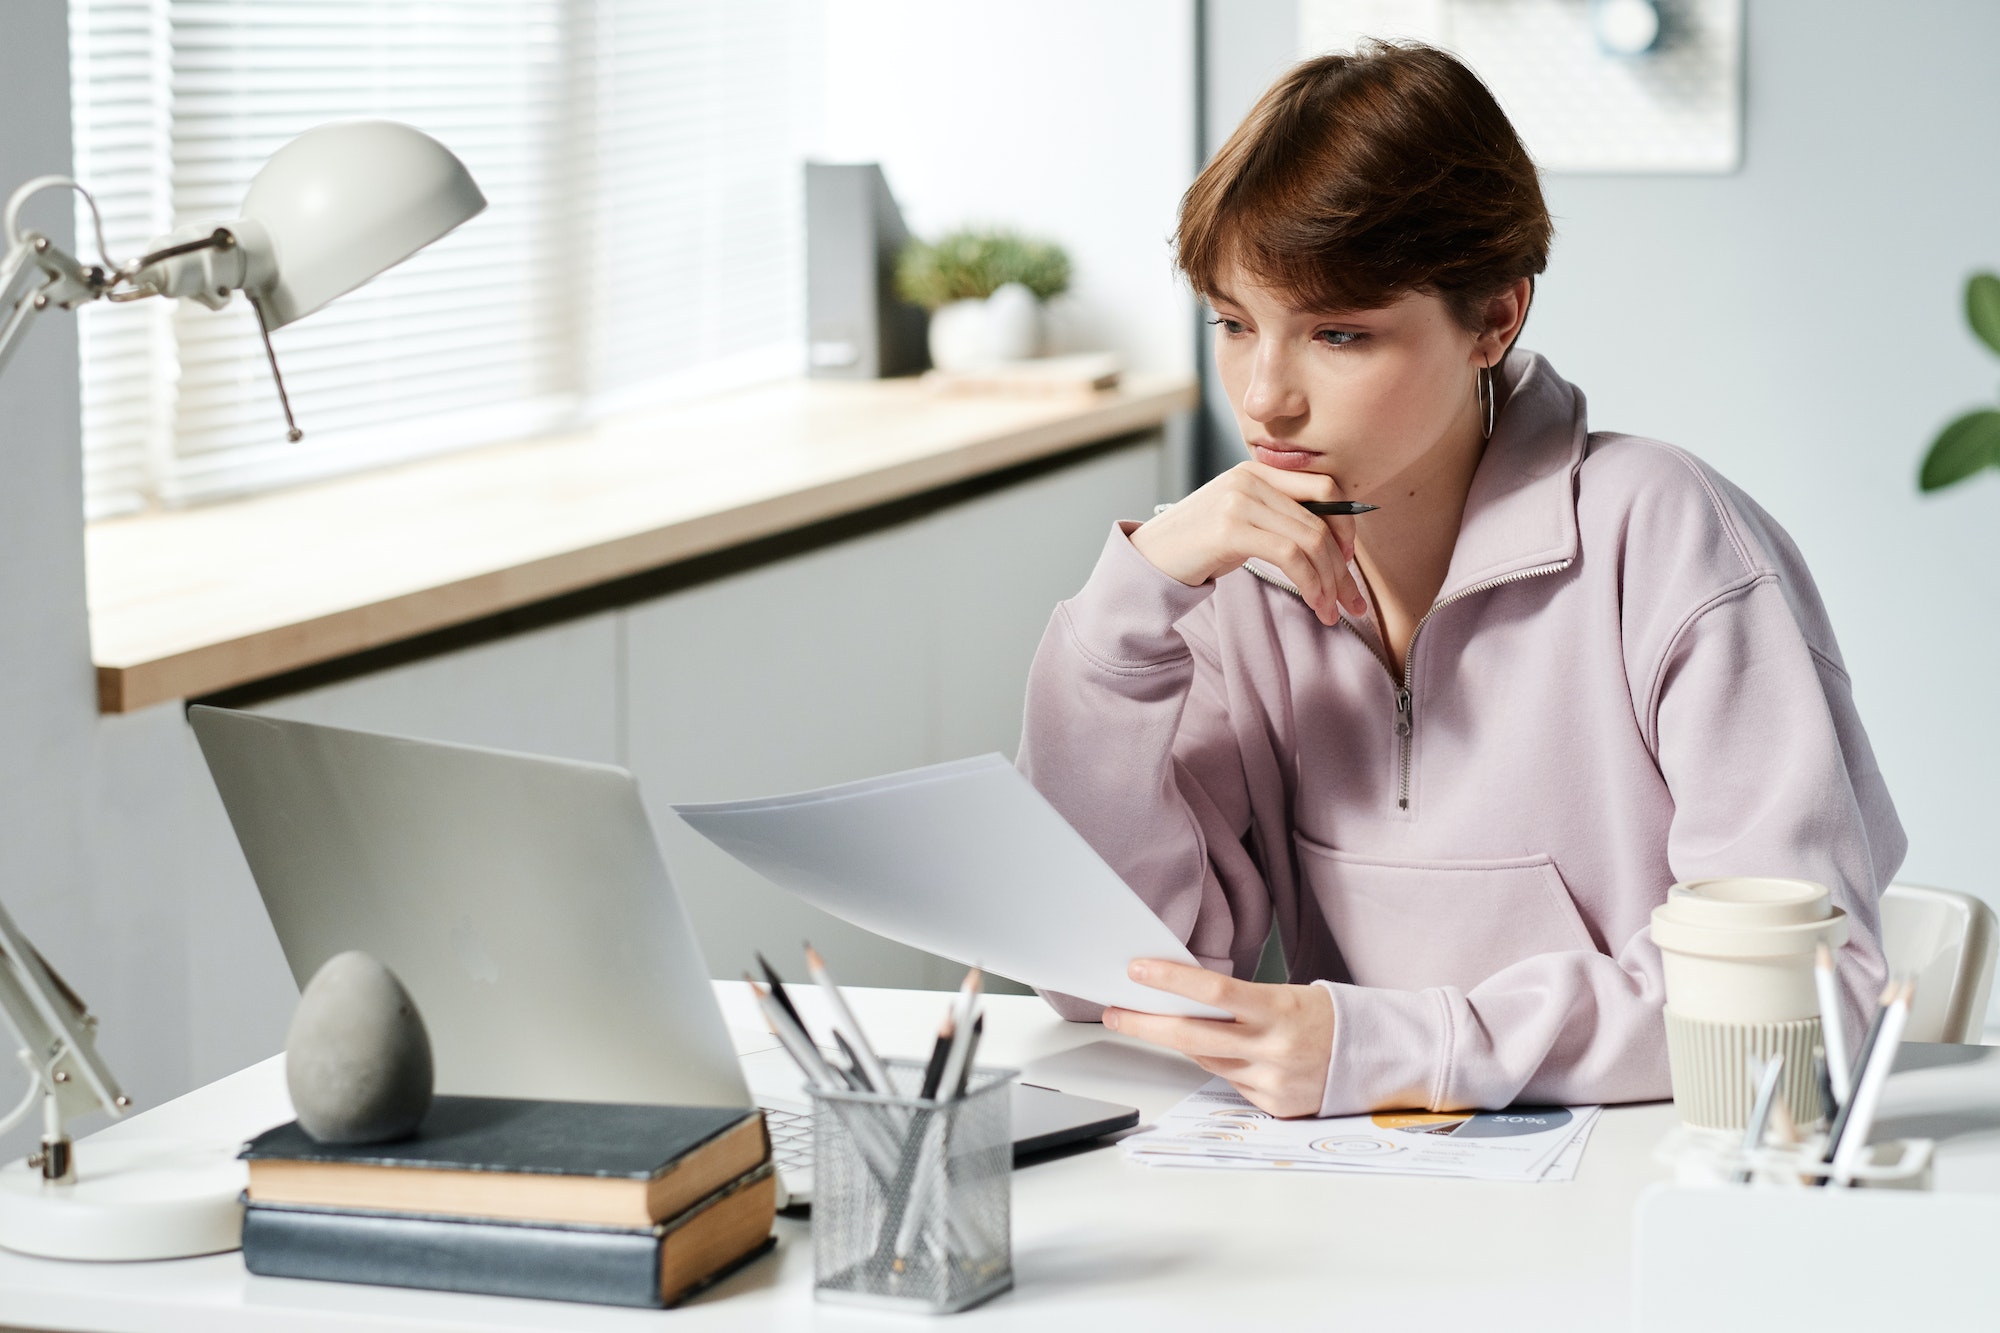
(345, 201)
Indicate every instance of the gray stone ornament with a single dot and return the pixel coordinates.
(357, 1057)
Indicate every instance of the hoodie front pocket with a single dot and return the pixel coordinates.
(1407, 925)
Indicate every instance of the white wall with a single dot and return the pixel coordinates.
(1798, 324)
(1247, 44)
(1073, 121)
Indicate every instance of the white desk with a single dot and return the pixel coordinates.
(1099, 1243)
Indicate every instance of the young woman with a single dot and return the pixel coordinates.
(1458, 748)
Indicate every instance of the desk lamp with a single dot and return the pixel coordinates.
(329, 211)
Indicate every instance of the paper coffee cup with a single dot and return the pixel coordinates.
(1737, 957)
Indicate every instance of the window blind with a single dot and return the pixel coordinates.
(643, 236)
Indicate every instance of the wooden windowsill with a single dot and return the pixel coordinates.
(191, 602)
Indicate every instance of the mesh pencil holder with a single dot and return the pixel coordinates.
(911, 1199)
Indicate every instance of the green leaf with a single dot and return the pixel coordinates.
(1982, 308)
(1961, 449)
(972, 264)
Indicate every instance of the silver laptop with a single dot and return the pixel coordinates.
(524, 903)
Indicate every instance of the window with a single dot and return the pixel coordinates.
(644, 234)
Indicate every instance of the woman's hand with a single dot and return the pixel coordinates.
(1254, 510)
(1275, 1052)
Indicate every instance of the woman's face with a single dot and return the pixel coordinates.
(1364, 396)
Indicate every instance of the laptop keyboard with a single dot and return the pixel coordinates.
(791, 1139)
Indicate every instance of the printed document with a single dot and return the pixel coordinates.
(1216, 1127)
(966, 860)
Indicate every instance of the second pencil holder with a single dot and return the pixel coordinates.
(912, 1199)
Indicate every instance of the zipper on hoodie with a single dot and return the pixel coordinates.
(1406, 699)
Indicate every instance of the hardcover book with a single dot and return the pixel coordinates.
(588, 1163)
(651, 1266)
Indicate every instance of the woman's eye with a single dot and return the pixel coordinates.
(1232, 327)
(1336, 337)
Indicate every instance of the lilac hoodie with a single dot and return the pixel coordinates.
(1626, 680)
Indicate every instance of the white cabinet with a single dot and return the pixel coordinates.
(796, 674)
(996, 567)
(547, 691)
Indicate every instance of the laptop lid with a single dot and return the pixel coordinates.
(521, 899)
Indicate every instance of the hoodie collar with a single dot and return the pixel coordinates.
(1520, 513)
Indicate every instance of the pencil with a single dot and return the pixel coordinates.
(863, 1054)
(1833, 1029)
(968, 993)
(797, 1045)
(1850, 1140)
(962, 1016)
(784, 1000)
(1861, 1059)
(1760, 1112)
(971, 1052)
(860, 1080)
(1823, 1089)
(1338, 508)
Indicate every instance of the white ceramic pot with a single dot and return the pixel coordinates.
(1013, 323)
(958, 336)
(972, 335)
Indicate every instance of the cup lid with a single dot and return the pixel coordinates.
(1747, 916)
(1745, 900)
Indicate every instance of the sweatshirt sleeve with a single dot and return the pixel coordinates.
(1771, 771)
(1759, 743)
(1127, 734)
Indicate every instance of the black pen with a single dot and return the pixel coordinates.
(1338, 508)
(934, 1072)
(784, 1000)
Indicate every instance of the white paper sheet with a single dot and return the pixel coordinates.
(966, 860)
(1216, 1127)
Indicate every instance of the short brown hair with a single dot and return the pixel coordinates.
(1358, 178)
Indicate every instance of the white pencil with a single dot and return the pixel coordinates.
(961, 1042)
(1832, 1027)
(1766, 1082)
(968, 995)
(844, 1021)
(1853, 1143)
(797, 1045)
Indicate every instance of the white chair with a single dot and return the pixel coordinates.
(1947, 942)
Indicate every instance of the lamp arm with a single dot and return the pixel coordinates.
(37, 275)
(58, 1040)
(34, 276)
(19, 284)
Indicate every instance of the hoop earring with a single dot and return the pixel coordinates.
(1484, 390)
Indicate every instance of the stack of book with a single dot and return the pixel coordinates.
(578, 1201)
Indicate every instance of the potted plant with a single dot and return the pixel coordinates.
(1972, 442)
(984, 290)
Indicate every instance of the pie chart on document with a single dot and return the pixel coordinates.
(1511, 1123)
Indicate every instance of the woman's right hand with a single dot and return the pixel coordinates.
(1255, 510)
